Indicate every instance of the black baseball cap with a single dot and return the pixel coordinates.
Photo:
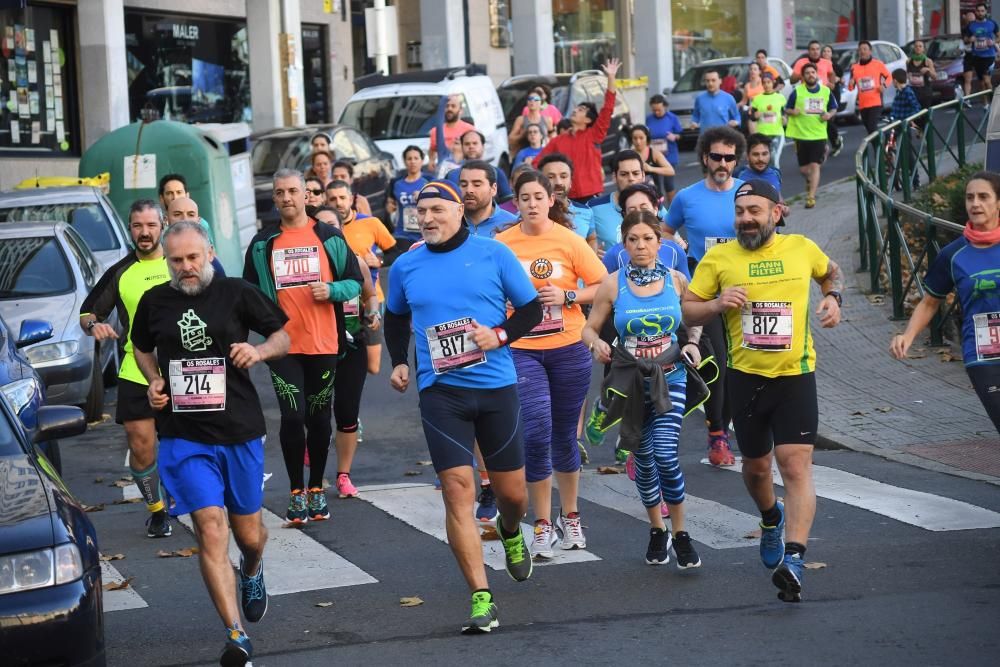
(761, 188)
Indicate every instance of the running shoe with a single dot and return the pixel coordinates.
(158, 525)
(788, 578)
(297, 510)
(517, 559)
(541, 544)
(687, 557)
(719, 452)
(318, 509)
(664, 509)
(487, 511)
(772, 547)
(484, 615)
(810, 202)
(595, 428)
(570, 529)
(345, 489)
(630, 466)
(584, 456)
(658, 551)
(253, 593)
(621, 454)
(238, 651)
(839, 147)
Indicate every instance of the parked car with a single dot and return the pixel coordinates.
(51, 601)
(946, 52)
(20, 383)
(290, 148)
(399, 110)
(568, 91)
(682, 95)
(845, 54)
(86, 209)
(46, 271)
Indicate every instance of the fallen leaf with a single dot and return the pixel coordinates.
(875, 299)
(412, 473)
(884, 408)
(98, 480)
(94, 508)
(609, 470)
(752, 535)
(121, 585)
(179, 553)
(857, 413)
(425, 463)
(948, 356)
(815, 566)
(324, 604)
(128, 501)
(410, 602)
(106, 558)
(123, 482)
(489, 534)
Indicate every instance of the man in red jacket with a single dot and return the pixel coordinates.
(582, 144)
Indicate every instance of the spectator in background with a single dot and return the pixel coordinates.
(714, 107)
(869, 76)
(321, 167)
(454, 128)
(536, 135)
(665, 129)
(904, 105)
(659, 171)
(517, 139)
(920, 73)
(563, 126)
(473, 147)
(548, 110)
(344, 171)
(320, 142)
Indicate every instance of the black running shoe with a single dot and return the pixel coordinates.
(658, 551)
(253, 593)
(687, 557)
(158, 525)
(238, 651)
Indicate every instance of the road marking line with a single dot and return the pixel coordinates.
(118, 600)
(710, 523)
(294, 562)
(917, 508)
(421, 506)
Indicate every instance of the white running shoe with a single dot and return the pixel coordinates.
(541, 544)
(570, 529)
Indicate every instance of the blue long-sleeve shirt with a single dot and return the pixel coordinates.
(905, 104)
(713, 110)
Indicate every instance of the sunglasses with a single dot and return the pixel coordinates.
(719, 157)
(317, 192)
(534, 98)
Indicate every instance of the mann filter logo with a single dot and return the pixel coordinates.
(193, 336)
(771, 267)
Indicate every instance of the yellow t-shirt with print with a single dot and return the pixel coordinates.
(770, 335)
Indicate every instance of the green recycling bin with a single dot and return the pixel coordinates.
(138, 155)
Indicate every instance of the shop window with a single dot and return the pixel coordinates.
(827, 23)
(584, 32)
(38, 100)
(499, 12)
(932, 17)
(706, 30)
(193, 70)
(314, 73)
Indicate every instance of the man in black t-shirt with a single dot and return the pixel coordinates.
(209, 419)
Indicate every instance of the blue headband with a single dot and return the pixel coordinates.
(439, 190)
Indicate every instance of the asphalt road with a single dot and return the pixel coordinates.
(886, 591)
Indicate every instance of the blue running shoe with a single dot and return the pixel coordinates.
(238, 651)
(788, 578)
(487, 511)
(772, 547)
(253, 593)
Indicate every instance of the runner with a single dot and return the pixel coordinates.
(321, 166)
(559, 170)
(982, 34)
(309, 271)
(659, 172)
(401, 199)
(627, 168)
(466, 377)
(170, 188)
(453, 127)
(869, 76)
(553, 366)
(836, 84)
(766, 117)
(759, 161)
(644, 299)
(185, 208)
(315, 193)
(473, 147)
(478, 182)
(814, 57)
(705, 209)
(920, 73)
(343, 170)
(760, 285)
(810, 107)
(120, 289)
(714, 107)
(211, 424)
(320, 142)
(644, 197)
(666, 129)
(970, 266)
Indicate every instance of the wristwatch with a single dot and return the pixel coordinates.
(836, 295)
(570, 298)
(501, 335)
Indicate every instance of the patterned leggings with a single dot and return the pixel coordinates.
(657, 470)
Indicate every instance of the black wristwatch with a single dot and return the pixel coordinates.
(570, 298)
(836, 295)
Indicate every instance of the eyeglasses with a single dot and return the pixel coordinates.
(534, 98)
(317, 192)
(719, 157)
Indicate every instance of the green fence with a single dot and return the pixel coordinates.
(887, 163)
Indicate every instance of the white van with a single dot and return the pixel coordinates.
(397, 111)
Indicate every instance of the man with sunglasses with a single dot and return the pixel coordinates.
(706, 210)
(810, 107)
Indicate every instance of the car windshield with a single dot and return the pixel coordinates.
(400, 117)
(945, 48)
(33, 267)
(268, 154)
(691, 82)
(88, 219)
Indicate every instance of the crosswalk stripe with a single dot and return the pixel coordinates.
(710, 523)
(122, 599)
(294, 562)
(917, 508)
(420, 506)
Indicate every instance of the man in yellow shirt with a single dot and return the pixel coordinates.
(761, 287)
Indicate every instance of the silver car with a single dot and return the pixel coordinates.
(86, 209)
(46, 271)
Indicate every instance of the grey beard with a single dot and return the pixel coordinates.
(754, 240)
(207, 273)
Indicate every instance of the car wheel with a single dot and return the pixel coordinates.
(93, 408)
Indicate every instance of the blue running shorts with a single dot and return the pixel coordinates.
(196, 475)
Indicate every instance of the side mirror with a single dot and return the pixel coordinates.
(667, 89)
(58, 421)
(33, 331)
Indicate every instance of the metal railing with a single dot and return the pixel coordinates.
(891, 160)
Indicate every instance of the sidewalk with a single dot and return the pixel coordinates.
(922, 411)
